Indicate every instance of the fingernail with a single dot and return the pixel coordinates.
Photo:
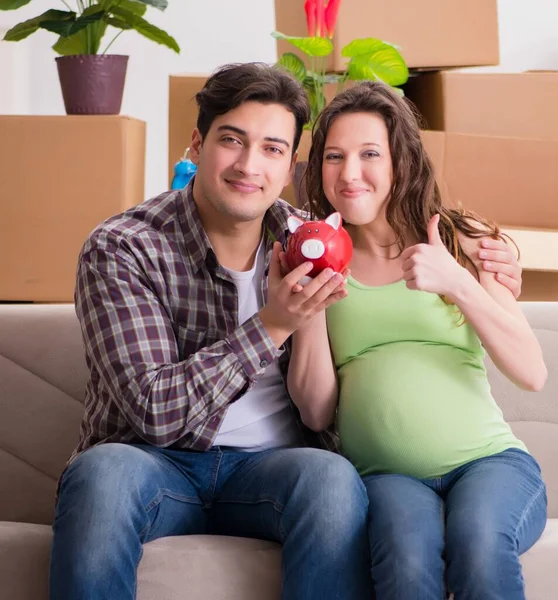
(488, 265)
(483, 254)
(338, 278)
(328, 273)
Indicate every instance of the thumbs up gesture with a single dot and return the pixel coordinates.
(430, 267)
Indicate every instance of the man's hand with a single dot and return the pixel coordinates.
(291, 306)
(498, 257)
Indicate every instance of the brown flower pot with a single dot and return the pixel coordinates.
(92, 84)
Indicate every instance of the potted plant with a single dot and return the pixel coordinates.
(92, 81)
(367, 59)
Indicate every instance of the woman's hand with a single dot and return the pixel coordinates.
(430, 267)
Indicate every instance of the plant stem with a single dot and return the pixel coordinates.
(112, 41)
(67, 5)
(342, 81)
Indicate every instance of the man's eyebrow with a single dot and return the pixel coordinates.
(278, 141)
(244, 133)
(232, 128)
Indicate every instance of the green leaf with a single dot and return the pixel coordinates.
(12, 4)
(364, 46)
(66, 28)
(118, 23)
(86, 41)
(74, 44)
(138, 8)
(385, 65)
(160, 4)
(312, 46)
(293, 64)
(146, 29)
(26, 28)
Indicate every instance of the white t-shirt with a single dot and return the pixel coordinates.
(262, 418)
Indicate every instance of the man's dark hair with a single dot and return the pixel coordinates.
(232, 85)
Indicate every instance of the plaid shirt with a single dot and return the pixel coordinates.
(159, 320)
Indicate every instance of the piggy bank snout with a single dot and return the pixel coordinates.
(312, 249)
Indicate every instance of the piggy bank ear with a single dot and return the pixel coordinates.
(293, 223)
(334, 220)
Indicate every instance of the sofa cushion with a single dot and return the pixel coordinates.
(173, 568)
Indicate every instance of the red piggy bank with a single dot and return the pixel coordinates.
(324, 243)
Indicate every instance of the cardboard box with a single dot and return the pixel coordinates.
(504, 104)
(538, 248)
(506, 179)
(59, 178)
(430, 33)
(539, 287)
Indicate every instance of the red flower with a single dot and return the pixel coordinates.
(331, 14)
(320, 18)
(311, 6)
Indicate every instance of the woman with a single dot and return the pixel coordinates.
(454, 496)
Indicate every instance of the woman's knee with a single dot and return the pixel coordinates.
(482, 560)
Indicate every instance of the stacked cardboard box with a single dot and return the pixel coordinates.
(500, 147)
(59, 178)
(430, 33)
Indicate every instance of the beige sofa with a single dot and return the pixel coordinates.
(42, 376)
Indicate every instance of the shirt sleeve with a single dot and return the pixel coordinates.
(130, 342)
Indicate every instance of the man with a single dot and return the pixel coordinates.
(188, 427)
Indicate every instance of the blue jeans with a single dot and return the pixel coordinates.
(470, 526)
(115, 497)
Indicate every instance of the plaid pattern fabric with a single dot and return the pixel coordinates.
(159, 321)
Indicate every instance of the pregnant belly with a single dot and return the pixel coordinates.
(418, 409)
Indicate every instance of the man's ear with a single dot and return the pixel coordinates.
(195, 146)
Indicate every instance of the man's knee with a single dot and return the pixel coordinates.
(105, 475)
(328, 486)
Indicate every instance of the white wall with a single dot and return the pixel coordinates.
(210, 33)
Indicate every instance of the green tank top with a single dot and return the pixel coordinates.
(414, 393)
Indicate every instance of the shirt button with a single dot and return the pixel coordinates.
(264, 363)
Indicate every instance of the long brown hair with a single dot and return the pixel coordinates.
(415, 196)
